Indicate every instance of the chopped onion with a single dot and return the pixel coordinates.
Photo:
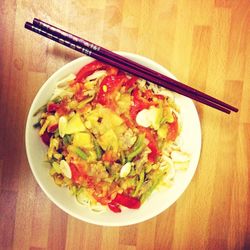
(64, 166)
(96, 74)
(125, 170)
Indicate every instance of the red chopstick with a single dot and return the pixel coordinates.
(70, 40)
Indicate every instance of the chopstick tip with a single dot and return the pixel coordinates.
(27, 25)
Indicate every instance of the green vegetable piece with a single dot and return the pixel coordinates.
(57, 99)
(134, 153)
(81, 196)
(139, 141)
(156, 114)
(123, 158)
(56, 167)
(56, 134)
(84, 197)
(169, 115)
(137, 148)
(98, 150)
(80, 153)
(141, 180)
(67, 139)
(52, 171)
(73, 190)
(163, 131)
(37, 125)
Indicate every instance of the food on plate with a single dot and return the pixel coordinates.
(112, 138)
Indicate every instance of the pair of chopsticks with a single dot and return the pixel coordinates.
(90, 49)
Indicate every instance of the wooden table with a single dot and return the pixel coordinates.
(203, 42)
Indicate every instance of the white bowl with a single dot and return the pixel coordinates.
(157, 203)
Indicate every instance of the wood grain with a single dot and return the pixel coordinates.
(203, 42)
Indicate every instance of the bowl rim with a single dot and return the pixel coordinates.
(64, 208)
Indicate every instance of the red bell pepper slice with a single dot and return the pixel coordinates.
(130, 83)
(79, 175)
(63, 108)
(52, 128)
(152, 138)
(141, 102)
(152, 156)
(111, 70)
(52, 107)
(87, 70)
(114, 207)
(79, 93)
(46, 138)
(160, 97)
(127, 201)
(103, 200)
(74, 171)
(121, 73)
(108, 87)
(150, 95)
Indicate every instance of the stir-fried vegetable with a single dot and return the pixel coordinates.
(111, 137)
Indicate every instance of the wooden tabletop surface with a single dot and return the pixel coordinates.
(205, 43)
